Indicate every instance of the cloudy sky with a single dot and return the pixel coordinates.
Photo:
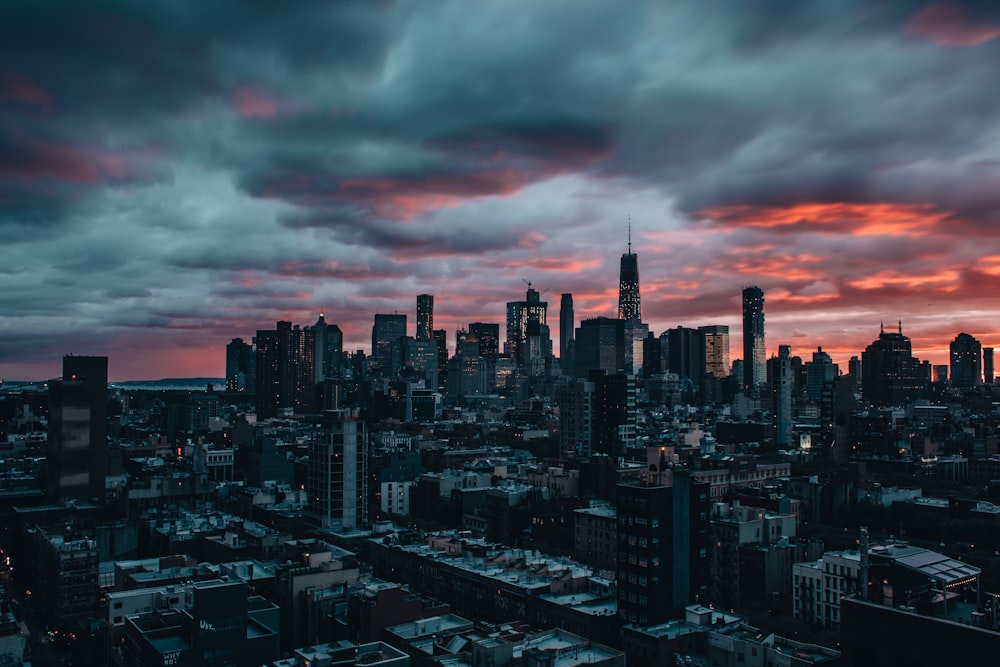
(176, 174)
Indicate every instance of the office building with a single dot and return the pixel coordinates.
(781, 395)
(892, 375)
(441, 338)
(567, 324)
(652, 355)
(629, 308)
(754, 348)
(467, 370)
(988, 365)
(966, 361)
(78, 430)
(525, 318)
(237, 365)
(286, 369)
(388, 328)
(819, 372)
(597, 415)
(488, 336)
(328, 341)
(686, 353)
(715, 338)
(600, 346)
(425, 316)
(337, 481)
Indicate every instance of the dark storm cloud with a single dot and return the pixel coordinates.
(170, 166)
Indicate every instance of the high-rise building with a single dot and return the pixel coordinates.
(663, 543)
(891, 374)
(686, 353)
(488, 336)
(754, 349)
(466, 370)
(635, 336)
(522, 315)
(988, 365)
(237, 365)
(819, 371)
(78, 430)
(629, 308)
(781, 395)
(441, 338)
(600, 345)
(598, 415)
(425, 316)
(337, 477)
(387, 328)
(652, 356)
(716, 341)
(328, 341)
(966, 361)
(286, 369)
(567, 323)
(421, 357)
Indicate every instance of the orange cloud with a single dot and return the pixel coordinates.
(947, 280)
(859, 219)
(946, 24)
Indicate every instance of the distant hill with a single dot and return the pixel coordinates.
(172, 383)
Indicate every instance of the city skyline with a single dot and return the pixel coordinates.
(176, 177)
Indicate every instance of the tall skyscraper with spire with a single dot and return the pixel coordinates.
(628, 284)
(629, 309)
(754, 350)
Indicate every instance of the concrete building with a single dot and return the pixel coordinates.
(223, 625)
(596, 536)
(337, 481)
(78, 431)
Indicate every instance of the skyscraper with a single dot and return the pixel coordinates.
(988, 365)
(629, 309)
(686, 353)
(488, 336)
(286, 369)
(716, 339)
(754, 349)
(337, 478)
(387, 328)
(891, 374)
(628, 286)
(781, 395)
(441, 338)
(329, 345)
(522, 316)
(78, 430)
(237, 365)
(819, 371)
(966, 361)
(425, 316)
(566, 325)
(600, 345)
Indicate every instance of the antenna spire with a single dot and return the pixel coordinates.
(630, 233)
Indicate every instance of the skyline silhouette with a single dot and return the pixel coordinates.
(177, 177)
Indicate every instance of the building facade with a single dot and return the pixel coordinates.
(754, 348)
